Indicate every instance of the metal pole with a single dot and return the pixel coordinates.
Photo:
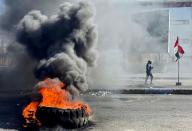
(169, 43)
(178, 83)
(178, 70)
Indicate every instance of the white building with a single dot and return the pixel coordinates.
(181, 26)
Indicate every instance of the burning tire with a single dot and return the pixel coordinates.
(55, 108)
(68, 118)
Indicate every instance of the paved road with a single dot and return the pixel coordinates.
(142, 112)
(119, 112)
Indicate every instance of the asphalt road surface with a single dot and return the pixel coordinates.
(142, 112)
(116, 112)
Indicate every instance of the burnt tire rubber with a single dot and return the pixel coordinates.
(68, 118)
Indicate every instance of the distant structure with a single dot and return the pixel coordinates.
(168, 3)
(5, 60)
(178, 15)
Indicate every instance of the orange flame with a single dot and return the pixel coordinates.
(32, 107)
(57, 98)
(54, 96)
(29, 113)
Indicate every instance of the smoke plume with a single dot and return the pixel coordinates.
(64, 43)
(14, 13)
(127, 31)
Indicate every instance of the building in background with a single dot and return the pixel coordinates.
(5, 60)
(179, 24)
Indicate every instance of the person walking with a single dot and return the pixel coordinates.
(149, 67)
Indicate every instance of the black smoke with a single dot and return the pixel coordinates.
(64, 43)
(20, 71)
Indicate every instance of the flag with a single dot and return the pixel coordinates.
(178, 50)
(176, 42)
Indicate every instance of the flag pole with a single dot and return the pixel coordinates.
(178, 83)
(178, 71)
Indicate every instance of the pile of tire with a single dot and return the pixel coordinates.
(68, 118)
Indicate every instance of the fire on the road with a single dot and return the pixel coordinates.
(53, 95)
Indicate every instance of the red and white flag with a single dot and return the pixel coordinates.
(178, 49)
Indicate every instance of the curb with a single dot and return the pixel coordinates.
(157, 91)
(176, 91)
